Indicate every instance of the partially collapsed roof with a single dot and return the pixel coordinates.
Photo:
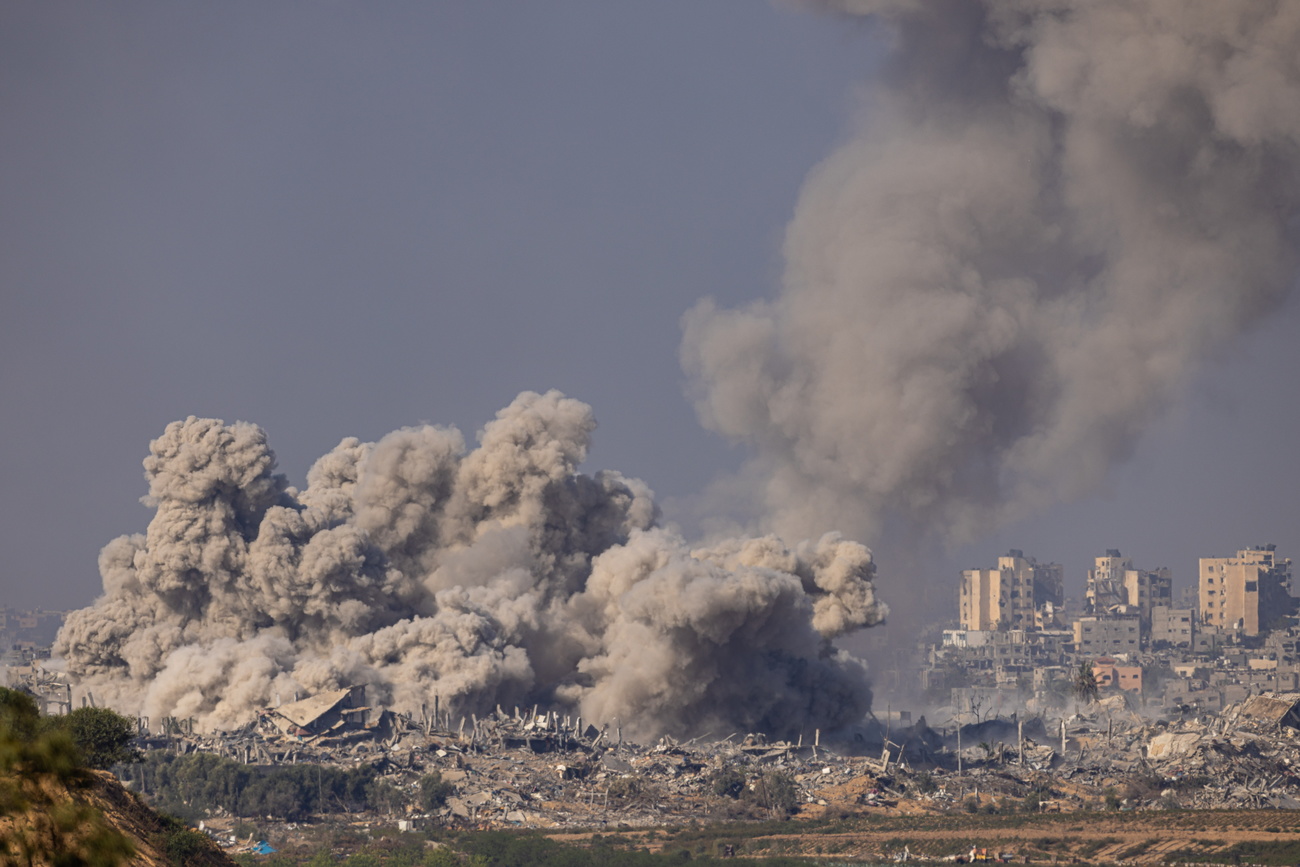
(1277, 708)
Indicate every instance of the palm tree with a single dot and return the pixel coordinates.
(1085, 683)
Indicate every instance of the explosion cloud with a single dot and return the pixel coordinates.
(1052, 211)
(497, 575)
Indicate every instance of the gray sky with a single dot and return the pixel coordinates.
(334, 220)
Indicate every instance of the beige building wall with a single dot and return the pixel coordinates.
(1245, 591)
(1007, 596)
(1106, 582)
(1145, 590)
(981, 599)
(1114, 585)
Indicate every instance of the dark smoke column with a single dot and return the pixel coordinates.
(1051, 213)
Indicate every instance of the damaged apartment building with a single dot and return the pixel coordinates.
(1018, 641)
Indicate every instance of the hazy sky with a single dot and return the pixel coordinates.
(338, 219)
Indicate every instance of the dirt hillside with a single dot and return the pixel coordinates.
(52, 816)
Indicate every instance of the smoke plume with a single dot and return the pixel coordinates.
(497, 575)
(1051, 212)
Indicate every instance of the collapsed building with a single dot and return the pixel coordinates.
(339, 711)
(540, 768)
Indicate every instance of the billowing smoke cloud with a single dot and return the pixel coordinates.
(1052, 211)
(498, 575)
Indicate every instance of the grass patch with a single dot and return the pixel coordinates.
(1134, 851)
(1092, 847)
(1266, 852)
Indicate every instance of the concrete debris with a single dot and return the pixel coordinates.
(541, 769)
(51, 689)
(1169, 745)
(1276, 709)
(339, 710)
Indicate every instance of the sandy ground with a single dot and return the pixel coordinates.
(1093, 837)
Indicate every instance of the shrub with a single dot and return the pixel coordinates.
(434, 791)
(177, 843)
(101, 735)
(775, 792)
(727, 782)
(35, 759)
(193, 784)
(18, 713)
(384, 797)
(627, 788)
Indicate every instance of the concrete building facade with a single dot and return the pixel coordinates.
(1111, 674)
(1008, 596)
(1173, 626)
(1115, 587)
(1250, 592)
(1107, 636)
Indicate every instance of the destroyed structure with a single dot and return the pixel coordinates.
(1210, 720)
(1234, 636)
(539, 769)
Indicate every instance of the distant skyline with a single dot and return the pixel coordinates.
(336, 221)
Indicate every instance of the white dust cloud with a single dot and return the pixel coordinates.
(497, 575)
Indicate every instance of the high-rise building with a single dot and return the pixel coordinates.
(1007, 596)
(1250, 592)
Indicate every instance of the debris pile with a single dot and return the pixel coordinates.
(51, 689)
(539, 768)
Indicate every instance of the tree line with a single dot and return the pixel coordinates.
(193, 785)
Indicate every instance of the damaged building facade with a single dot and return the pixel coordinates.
(1250, 592)
(1238, 638)
(1012, 595)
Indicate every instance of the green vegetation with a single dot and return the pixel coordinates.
(36, 761)
(727, 782)
(523, 849)
(1065, 838)
(1112, 799)
(1282, 852)
(924, 783)
(434, 791)
(510, 849)
(774, 792)
(179, 843)
(1135, 850)
(1085, 686)
(101, 735)
(1092, 847)
(192, 785)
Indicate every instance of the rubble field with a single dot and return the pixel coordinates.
(1099, 784)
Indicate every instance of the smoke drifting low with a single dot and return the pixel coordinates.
(1052, 212)
(494, 575)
